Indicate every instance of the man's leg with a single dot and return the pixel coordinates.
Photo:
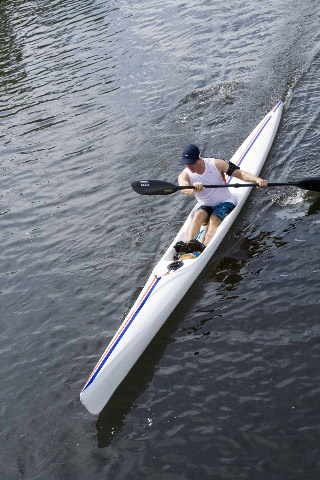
(200, 217)
(214, 222)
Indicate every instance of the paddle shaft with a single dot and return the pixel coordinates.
(237, 185)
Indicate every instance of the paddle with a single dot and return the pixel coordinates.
(157, 187)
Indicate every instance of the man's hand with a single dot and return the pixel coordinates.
(262, 182)
(198, 186)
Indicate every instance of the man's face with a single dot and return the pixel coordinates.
(195, 166)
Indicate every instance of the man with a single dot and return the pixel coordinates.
(214, 203)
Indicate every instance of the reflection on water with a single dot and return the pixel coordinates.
(228, 274)
(112, 418)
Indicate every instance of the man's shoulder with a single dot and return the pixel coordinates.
(219, 163)
(183, 175)
(215, 160)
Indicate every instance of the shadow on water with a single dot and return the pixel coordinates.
(228, 274)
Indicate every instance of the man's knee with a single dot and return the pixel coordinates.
(201, 216)
(215, 220)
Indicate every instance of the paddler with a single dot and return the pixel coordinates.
(214, 203)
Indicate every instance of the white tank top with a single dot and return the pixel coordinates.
(211, 176)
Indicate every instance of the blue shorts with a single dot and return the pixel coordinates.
(221, 210)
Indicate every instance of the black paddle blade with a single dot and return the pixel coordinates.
(312, 184)
(154, 187)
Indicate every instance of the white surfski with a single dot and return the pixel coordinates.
(165, 288)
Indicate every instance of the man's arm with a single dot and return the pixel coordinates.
(223, 167)
(249, 177)
(184, 180)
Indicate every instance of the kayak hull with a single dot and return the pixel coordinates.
(165, 288)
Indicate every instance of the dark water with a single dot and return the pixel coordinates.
(95, 94)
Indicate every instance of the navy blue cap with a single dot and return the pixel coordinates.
(190, 154)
